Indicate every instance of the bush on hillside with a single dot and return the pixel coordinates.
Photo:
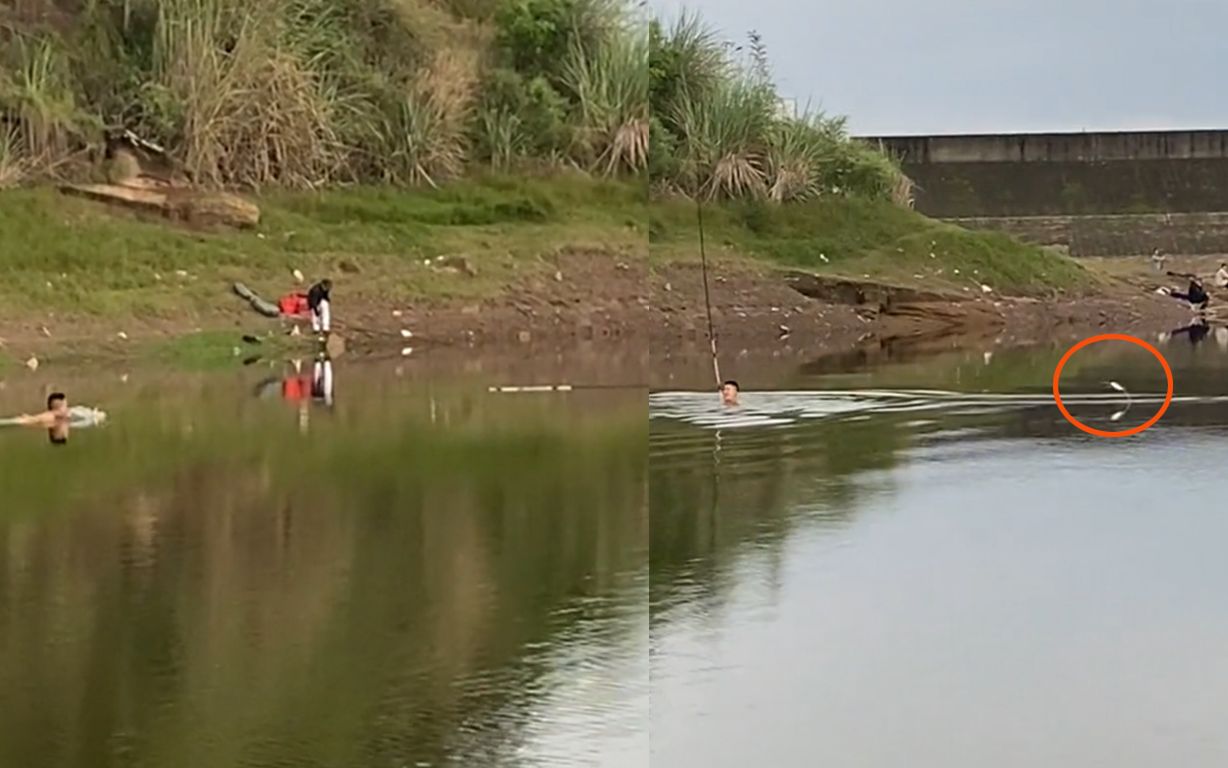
(307, 92)
(722, 135)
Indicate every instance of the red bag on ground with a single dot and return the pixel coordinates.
(293, 304)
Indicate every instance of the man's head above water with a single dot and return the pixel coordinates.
(729, 392)
(57, 407)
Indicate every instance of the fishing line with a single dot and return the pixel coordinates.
(703, 261)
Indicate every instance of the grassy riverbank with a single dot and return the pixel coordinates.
(864, 239)
(85, 270)
(883, 277)
(62, 253)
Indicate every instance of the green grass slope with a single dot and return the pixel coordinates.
(863, 238)
(64, 254)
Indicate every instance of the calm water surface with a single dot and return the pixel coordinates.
(919, 563)
(424, 574)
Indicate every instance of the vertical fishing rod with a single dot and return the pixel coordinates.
(703, 261)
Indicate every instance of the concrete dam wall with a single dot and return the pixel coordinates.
(1117, 234)
(1059, 147)
(1100, 193)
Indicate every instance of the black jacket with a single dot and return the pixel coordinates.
(315, 295)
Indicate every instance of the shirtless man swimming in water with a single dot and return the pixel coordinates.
(57, 412)
(54, 419)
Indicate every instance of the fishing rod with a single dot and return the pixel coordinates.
(703, 262)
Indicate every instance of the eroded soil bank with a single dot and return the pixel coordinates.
(793, 315)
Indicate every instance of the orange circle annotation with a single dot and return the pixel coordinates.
(1057, 394)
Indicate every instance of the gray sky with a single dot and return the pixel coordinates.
(962, 66)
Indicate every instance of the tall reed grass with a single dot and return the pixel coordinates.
(13, 166)
(38, 101)
(610, 85)
(303, 93)
(719, 132)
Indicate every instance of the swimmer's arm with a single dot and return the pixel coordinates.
(27, 420)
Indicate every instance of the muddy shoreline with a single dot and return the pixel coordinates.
(595, 300)
(792, 316)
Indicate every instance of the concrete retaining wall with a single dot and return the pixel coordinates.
(1069, 188)
(1058, 147)
(1065, 173)
(1120, 235)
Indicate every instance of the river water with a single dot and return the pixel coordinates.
(919, 562)
(877, 560)
(421, 574)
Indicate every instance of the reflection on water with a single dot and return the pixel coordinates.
(428, 575)
(301, 387)
(948, 576)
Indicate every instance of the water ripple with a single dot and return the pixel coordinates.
(782, 408)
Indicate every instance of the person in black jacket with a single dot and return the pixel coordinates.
(318, 301)
(1195, 294)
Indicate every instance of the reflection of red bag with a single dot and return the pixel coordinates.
(296, 388)
(293, 304)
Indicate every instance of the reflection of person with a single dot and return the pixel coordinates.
(296, 387)
(302, 388)
(58, 433)
(1197, 332)
(729, 392)
(322, 381)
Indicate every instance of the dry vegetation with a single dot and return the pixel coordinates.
(307, 93)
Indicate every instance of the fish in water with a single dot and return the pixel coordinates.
(1119, 388)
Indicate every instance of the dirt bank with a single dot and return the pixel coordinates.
(589, 296)
(763, 309)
